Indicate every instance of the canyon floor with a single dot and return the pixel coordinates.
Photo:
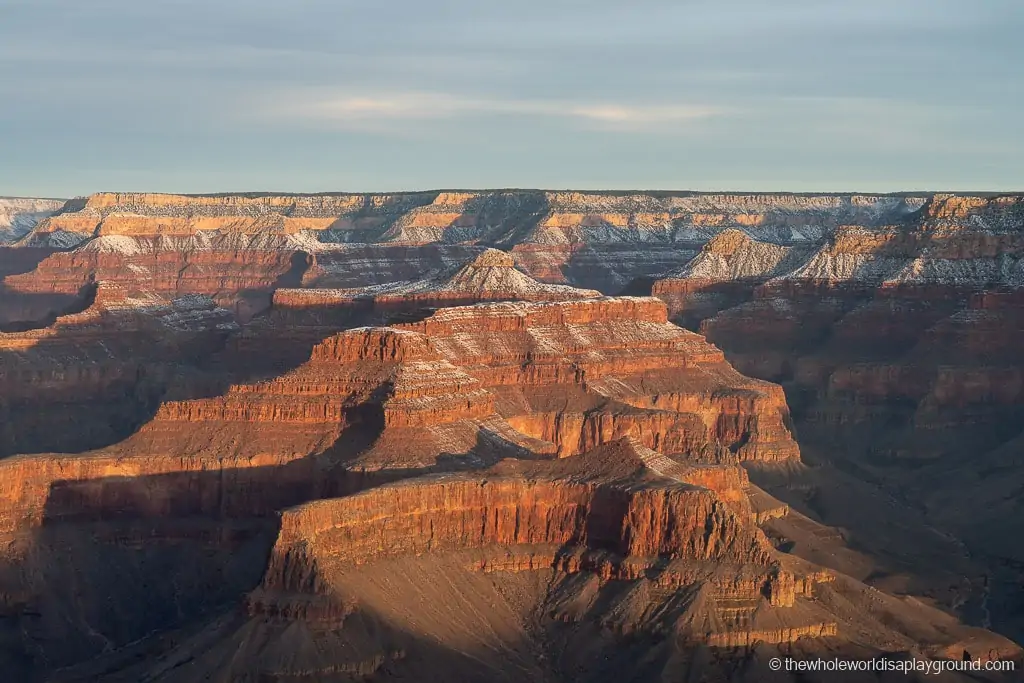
(479, 436)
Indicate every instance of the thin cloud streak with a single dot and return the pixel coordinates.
(360, 112)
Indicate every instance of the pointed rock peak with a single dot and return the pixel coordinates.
(727, 242)
(493, 258)
(492, 274)
(733, 254)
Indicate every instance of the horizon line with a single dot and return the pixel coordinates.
(595, 191)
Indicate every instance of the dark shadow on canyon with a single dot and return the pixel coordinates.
(363, 645)
(17, 260)
(612, 268)
(26, 311)
(118, 559)
(86, 386)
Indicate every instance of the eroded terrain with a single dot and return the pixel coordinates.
(439, 435)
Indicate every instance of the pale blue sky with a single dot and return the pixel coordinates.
(331, 95)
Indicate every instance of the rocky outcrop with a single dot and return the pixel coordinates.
(611, 550)
(458, 512)
(18, 216)
(454, 391)
(611, 516)
(581, 373)
(239, 248)
(495, 216)
(491, 275)
(553, 378)
(238, 270)
(724, 273)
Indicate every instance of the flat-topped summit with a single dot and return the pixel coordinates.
(490, 216)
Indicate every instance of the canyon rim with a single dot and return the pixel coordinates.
(509, 434)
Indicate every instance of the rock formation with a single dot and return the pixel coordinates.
(239, 248)
(18, 216)
(894, 344)
(489, 276)
(327, 437)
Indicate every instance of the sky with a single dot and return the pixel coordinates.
(339, 95)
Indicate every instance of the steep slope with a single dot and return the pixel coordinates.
(238, 270)
(18, 216)
(193, 491)
(490, 276)
(579, 373)
(584, 455)
(724, 273)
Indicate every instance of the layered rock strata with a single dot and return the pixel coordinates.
(92, 376)
(586, 496)
(538, 567)
(894, 345)
(577, 374)
(368, 405)
(238, 248)
(490, 276)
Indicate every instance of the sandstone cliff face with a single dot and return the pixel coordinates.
(462, 513)
(615, 551)
(238, 248)
(627, 369)
(488, 215)
(558, 378)
(620, 514)
(489, 276)
(18, 216)
(238, 271)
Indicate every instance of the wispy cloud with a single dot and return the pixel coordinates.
(377, 111)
